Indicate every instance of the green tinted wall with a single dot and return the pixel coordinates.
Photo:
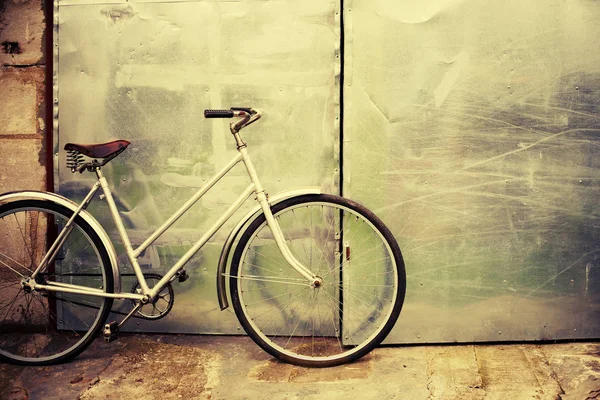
(145, 71)
(472, 128)
(469, 126)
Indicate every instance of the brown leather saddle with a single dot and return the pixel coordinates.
(100, 150)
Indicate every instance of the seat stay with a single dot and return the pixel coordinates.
(65, 232)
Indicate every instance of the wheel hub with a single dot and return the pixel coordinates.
(27, 284)
(318, 282)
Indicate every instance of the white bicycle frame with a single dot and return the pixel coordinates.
(148, 294)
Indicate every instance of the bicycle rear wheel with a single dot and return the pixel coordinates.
(361, 289)
(44, 327)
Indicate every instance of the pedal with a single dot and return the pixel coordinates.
(111, 331)
(182, 275)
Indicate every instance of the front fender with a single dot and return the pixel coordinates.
(87, 217)
(244, 222)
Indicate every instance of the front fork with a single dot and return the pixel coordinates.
(261, 197)
(314, 280)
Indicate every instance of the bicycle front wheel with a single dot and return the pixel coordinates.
(360, 289)
(46, 327)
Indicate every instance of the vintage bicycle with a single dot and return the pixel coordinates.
(315, 279)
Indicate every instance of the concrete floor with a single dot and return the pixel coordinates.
(211, 367)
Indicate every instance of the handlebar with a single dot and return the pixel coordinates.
(247, 114)
(218, 114)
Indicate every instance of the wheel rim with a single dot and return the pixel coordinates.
(346, 312)
(38, 327)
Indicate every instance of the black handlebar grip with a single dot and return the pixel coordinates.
(218, 114)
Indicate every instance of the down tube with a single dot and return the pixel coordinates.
(205, 238)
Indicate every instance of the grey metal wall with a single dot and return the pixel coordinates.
(146, 70)
(472, 127)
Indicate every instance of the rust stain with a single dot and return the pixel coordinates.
(9, 47)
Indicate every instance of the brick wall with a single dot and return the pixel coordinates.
(23, 119)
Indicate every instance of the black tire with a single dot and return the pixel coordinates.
(354, 304)
(47, 327)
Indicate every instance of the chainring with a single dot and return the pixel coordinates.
(162, 304)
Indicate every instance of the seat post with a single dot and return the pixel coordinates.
(114, 212)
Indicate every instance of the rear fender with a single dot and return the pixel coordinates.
(87, 217)
(239, 228)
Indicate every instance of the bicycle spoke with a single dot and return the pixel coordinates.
(24, 237)
(335, 304)
(292, 313)
(296, 327)
(15, 262)
(261, 268)
(13, 270)
(274, 279)
(337, 269)
(282, 307)
(18, 296)
(282, 265)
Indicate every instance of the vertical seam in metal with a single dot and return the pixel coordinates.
(341, 167)
(342, 68)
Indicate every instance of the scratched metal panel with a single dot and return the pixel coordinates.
(472, 127)
(145, 71)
